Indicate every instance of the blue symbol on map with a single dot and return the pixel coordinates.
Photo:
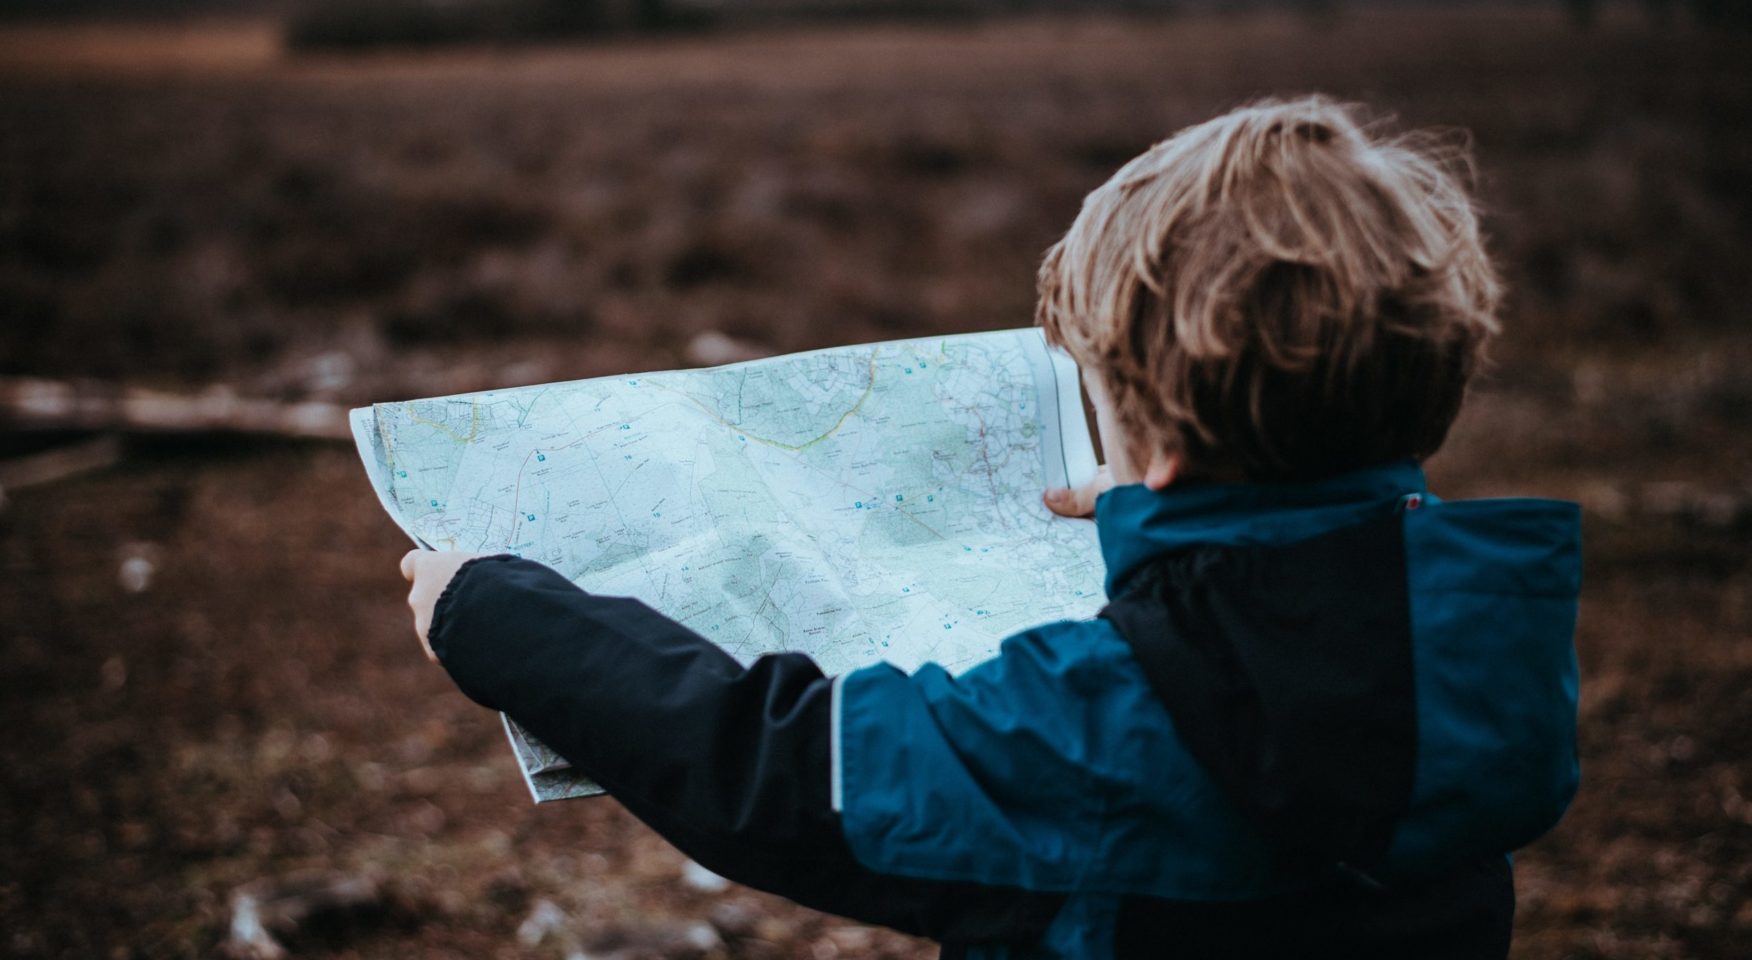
(898, 498)
(529, 516)
(541, 456)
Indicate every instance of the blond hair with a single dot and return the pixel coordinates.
(1278, 293)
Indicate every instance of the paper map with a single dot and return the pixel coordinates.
(859, 504)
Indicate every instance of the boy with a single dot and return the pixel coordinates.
(1321, 706)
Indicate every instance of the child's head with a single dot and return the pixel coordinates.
(1278, 293)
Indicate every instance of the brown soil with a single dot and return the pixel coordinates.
(416, 224)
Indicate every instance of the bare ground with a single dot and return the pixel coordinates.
(415, 224)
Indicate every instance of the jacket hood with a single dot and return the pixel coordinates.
(1372, 675)
(1137, 524)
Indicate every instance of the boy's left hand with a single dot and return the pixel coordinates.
(1079, 502)
(430, 571)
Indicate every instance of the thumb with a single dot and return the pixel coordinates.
(1078, 501)
(409, 563)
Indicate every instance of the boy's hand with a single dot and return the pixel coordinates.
(1079, 501)
(430, 572)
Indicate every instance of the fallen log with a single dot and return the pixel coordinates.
(28, 403)
(59, 463)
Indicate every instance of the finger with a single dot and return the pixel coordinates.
(1079, 501)
(1071, 501)
(420, 603)
(409, 563)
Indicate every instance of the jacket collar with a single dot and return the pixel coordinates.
(1137, 524)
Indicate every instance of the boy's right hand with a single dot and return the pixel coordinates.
(1079, 501)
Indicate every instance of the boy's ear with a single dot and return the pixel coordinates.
(1163, 470)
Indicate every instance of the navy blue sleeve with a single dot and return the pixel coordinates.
(729, 763)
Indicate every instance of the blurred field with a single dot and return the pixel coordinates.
(183, 208)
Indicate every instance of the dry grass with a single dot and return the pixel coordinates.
(183, 207)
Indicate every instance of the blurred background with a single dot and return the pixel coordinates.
(221, 223)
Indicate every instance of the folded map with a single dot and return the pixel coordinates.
(858, 504)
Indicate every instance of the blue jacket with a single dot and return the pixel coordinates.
(1314, 717)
